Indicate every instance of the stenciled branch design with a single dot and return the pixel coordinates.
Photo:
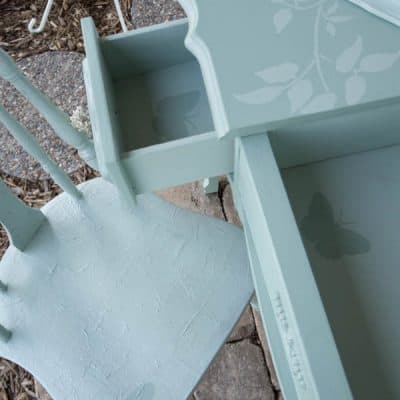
(287, 77)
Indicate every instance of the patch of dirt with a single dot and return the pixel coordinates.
(63, 31)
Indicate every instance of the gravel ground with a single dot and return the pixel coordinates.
(63, 30)
(58, 74)
(150, 12)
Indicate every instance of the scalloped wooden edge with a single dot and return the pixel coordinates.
(196, 45)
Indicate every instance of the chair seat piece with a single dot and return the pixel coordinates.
(108, 302)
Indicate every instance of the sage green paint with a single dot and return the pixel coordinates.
(322, 79)
(109, 302)
(331, 239)
(149, 109)
(3, 287)
(103, 114)
(271, 323)
(358, 280)
(211, 185)
(58, 120)
(180, 161)
(5, 334)
(297, 62)
(387, 9)
(284, 274)
(21, 222)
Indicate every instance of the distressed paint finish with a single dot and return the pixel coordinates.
(135, 303)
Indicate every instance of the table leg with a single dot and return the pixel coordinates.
(286, 289)
(211, 185)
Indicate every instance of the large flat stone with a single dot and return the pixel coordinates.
(237, 373)
(192, 197)
(58, 75)
(150, 12)
(229, 206)
(245, 328)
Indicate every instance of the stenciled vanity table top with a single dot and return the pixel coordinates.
(267, 61)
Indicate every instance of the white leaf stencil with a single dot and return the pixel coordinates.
(322, 102)
(260, 96)
(282, 19)
(378, 62)
(279, 73)
(356, 86)
(348, 59)
(299, 94)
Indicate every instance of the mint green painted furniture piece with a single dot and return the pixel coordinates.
(109, 303)
(298, 102)
(150, 111)
(386, 9)
(100, 300)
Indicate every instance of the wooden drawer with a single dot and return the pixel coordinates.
(149, 109)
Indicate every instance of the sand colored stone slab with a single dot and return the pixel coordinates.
(237, 373)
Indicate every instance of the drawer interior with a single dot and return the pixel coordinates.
(157, 86)
(347, 210)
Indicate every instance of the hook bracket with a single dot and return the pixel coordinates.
(43, 21)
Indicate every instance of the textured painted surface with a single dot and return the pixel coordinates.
(135, 304)
(221, 206)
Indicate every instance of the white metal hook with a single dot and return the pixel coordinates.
(40, 28)
(120, 15)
